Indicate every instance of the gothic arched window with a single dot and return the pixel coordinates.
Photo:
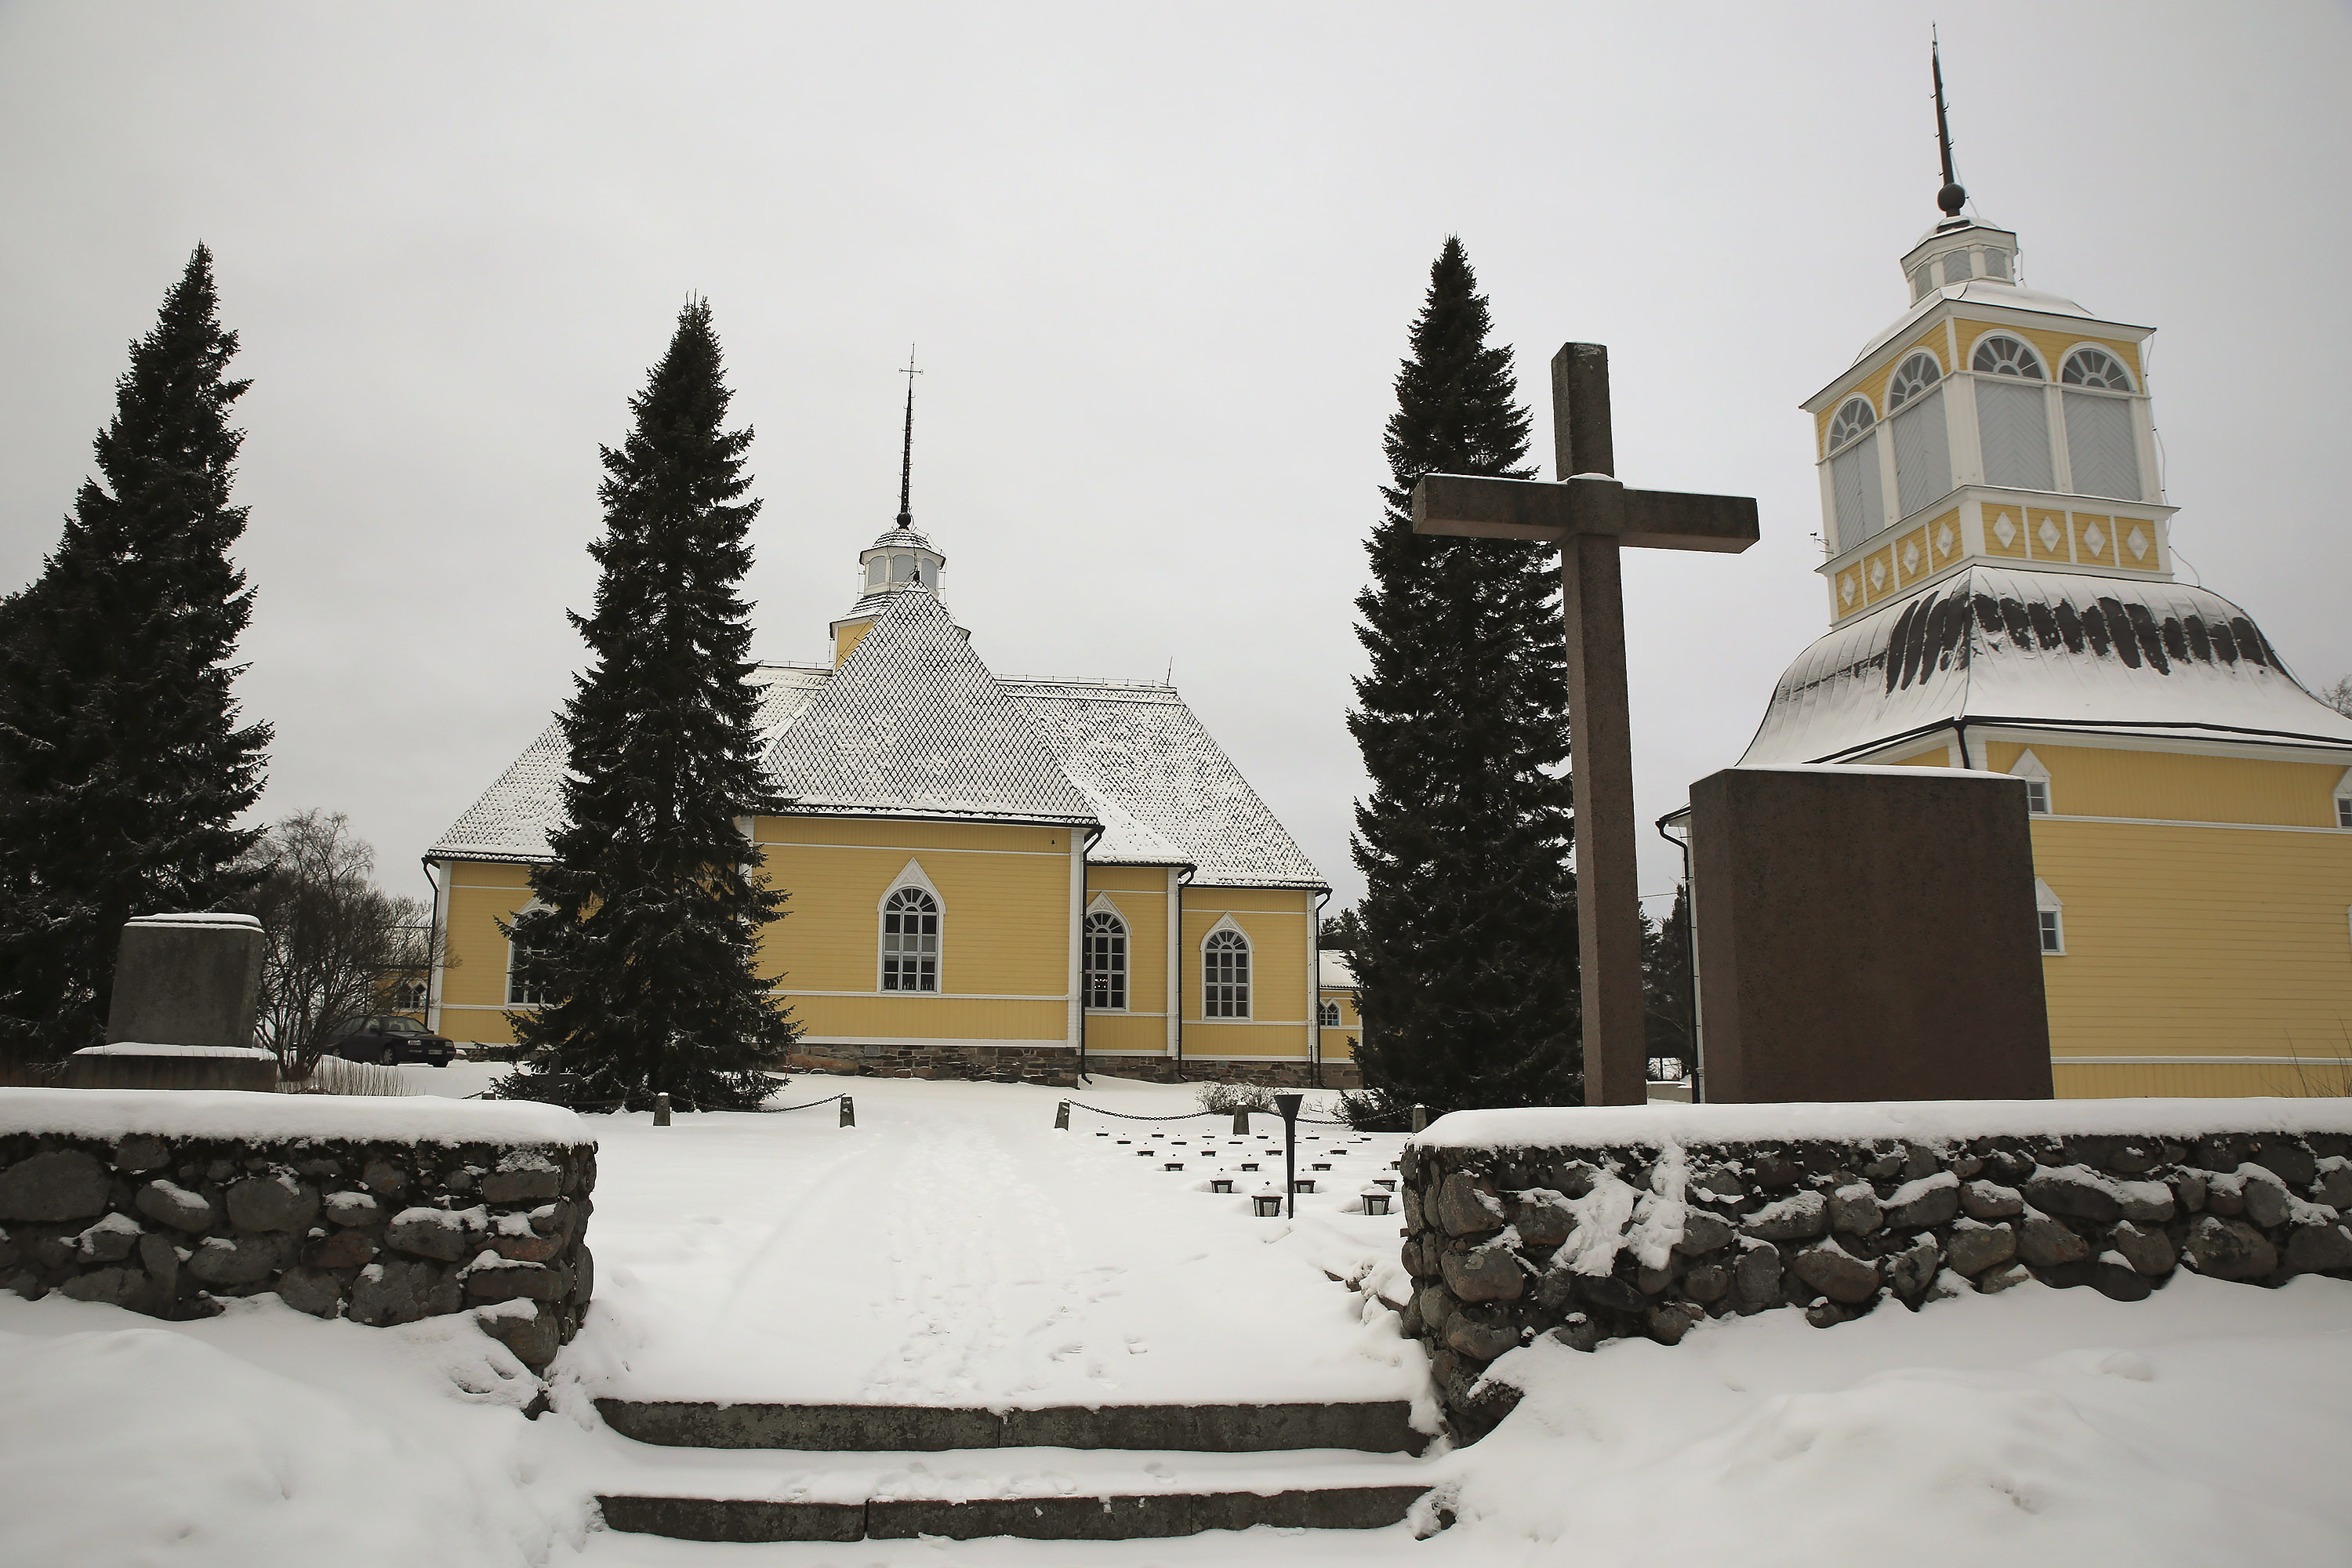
(2101, 445)
(1858, 497)
(1225, 974)
(2012, 414)
(1105, 947)
(1923, 445)
(911, 940)
(1328, 1016)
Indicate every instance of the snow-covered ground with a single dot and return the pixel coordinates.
(954, 1246)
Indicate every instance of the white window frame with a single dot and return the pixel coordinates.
(2037, 783)
(2344, 800)
(1247, 985)
(1327, 1015)
(512, 948)
(2049, 917)
(912, 876)
(1102, 906)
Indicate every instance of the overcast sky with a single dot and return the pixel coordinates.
(1159, 265)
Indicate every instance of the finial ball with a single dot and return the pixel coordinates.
(1951, 198)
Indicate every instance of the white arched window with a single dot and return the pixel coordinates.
(1226, 974)
(2102, 445)
(1104, 943)
(910, 939)
(2012, 414)
(1922, 447)
(1859, 498)
(1329, 1016)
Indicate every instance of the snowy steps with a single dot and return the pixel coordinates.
(1115, 1473)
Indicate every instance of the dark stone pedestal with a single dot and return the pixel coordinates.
(1866, 933)
(186, 980)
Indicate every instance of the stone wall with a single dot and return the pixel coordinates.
(1055, 1066)
(378, 1230)
(1588, 1241)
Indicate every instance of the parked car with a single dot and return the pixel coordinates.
(390, 1038)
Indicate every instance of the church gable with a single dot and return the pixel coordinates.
(914, 723)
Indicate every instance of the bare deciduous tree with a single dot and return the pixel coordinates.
(332, 940)
(2338, 696)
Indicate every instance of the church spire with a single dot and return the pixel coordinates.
(1952, 197)
(907, 453)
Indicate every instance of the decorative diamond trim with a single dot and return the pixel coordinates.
(2095, 541)
(2006, 531)
(2048, 534)
(2136, 541)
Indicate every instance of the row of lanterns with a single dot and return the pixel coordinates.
(1268, 1202)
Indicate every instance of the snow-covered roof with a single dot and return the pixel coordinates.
(914, 724)
(512, 819)
(1336, 973)
(1164, 791)
(2042, 649)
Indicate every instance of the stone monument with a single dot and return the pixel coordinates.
(186, 989)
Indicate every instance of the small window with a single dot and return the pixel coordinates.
(2096, 368)
(1225, 976)
(530, 983)
(2001, 355)
(1957, 270)
(1923, 283)
(1912, 376)
(1328, 1016)
(2037, 796)
(2344, 811)
(1997, 264)
(1105, 960)
(2051, 918)
(874, 569)
(911, 940)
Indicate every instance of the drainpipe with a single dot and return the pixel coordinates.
(1690, 958)
(1078, 942)
(1175, 961)
(438, 946)
(1315, 987)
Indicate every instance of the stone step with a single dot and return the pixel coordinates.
(1112, 1518)
(1380, 1427)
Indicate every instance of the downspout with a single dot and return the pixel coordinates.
(438, 940)
(1690, 958)
(1315, 987)
(1961, 736)
(1176, 959)
(1078, 940)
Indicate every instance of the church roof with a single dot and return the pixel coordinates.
(914, 724)
(2042, 650)
(1164, 789)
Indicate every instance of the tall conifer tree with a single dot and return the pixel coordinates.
(123, 766)
(651, 916)
(1468, 957)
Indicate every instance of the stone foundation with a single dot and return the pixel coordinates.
(1587, 1236)
(379, 1229)
(1056, 1066)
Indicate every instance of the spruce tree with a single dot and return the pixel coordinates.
(1467, 963)
(123, 769)
(650, 918)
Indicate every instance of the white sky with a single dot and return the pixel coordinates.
(1158, 268)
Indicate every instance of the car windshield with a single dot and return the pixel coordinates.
(403, 1026)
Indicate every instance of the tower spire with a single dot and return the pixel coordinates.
(907, 453)
(1951, 198)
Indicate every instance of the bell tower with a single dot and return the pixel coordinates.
(1991, 422)
(902, 561)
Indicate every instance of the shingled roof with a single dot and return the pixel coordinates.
(2042, 650)
(913, 724)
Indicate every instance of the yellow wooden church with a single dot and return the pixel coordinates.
(988, 878)
(2001, 596)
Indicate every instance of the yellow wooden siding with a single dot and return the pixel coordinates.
(2176, 786)
(1140, 894)
(474, 978)
(845, 641)
(2320, 1076)
(1005, 894)
(941, 1017)
(1339, 1039)
(2198, 941)
(1274, 920)
(1127, 1033)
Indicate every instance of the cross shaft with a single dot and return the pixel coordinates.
(1590, 515)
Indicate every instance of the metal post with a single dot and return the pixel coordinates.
(1420, 1117)
(661, 1110)
(1241, 1123)
(1061, 1116)
(848, 1112)
(1288, 1105)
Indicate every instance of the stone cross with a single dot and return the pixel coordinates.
(1589, 515)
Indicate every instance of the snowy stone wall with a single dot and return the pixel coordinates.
(381, 1218)
(1608, 1237)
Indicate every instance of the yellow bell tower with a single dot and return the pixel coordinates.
(902, 561)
